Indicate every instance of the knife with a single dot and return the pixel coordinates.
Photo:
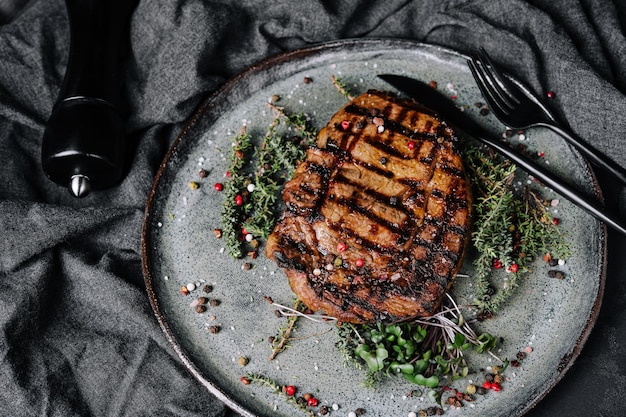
(431, 98)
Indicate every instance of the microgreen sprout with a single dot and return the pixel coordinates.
(423, 351)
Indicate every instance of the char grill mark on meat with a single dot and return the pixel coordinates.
(375, 229)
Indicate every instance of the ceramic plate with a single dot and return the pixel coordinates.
(551, 316)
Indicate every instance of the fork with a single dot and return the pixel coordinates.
(518, 108)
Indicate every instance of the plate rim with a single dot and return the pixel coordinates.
(567, 361)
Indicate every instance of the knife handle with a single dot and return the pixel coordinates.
(83, 145)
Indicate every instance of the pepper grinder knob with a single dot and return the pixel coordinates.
(80, 185)
(83, 146)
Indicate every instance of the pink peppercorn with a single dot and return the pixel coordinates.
(218, 186)
(360, 262)
(550, 94)
(410, 145)
(341, 247)
(238, 200)
(345, 125)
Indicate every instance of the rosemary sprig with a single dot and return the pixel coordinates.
(233, 212)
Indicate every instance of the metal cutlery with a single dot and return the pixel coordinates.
(431, 98)
(518, 108)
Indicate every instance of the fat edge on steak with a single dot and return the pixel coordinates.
(378, 214)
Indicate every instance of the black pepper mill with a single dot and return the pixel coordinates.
(83, 144)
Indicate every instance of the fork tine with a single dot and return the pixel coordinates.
(488, 90)
(507, 93)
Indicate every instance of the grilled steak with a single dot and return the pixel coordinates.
(377, 216)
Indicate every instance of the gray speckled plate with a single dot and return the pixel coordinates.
(552, 316)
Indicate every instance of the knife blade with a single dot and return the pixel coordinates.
(431, 98)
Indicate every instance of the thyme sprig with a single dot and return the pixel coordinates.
(511, 229)
(233, 213)
(258, 192)
(263, 380)
(299, 121)
(280, 342)
(276, 158)
(342, 87)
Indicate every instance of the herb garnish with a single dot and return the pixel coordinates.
(233, 207)
(251, 201)
(268, 382)
(277, 158)
(423, 351)
(342, 87)
(510, 230)
(280, 342)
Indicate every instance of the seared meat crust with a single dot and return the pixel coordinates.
(377, 217)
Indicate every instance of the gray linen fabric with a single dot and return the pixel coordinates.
(77, 335)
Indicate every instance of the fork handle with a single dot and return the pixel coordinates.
(592, 206)
(592, 154)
